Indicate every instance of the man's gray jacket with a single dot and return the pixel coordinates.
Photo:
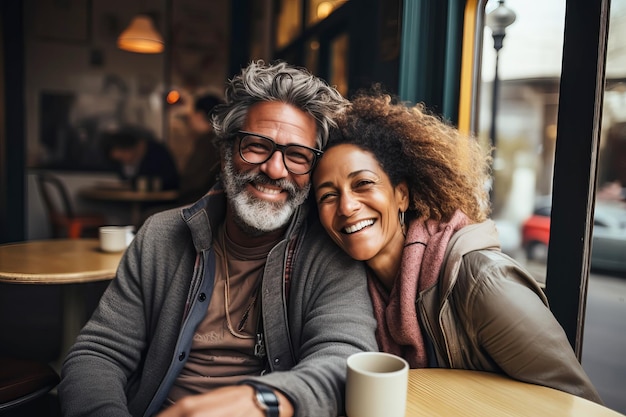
(129, 353)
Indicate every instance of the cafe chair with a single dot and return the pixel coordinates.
(65, 222)
(24, 387)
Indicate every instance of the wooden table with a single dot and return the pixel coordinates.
(126, 195)
(59, 261)
(453, 392)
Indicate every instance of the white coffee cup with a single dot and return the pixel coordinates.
(115, 238)
(376, 385)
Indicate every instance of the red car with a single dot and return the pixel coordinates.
(608, 237)
(536, 234)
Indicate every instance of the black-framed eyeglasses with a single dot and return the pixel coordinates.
(257, 149)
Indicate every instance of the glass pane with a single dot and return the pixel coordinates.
(605, 324)
(339, 63)
(321, 9)
(526, 106)
(288, 21)
(518, 115)
(312, 55)
(261, 38)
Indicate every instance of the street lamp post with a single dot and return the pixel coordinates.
(497, 20)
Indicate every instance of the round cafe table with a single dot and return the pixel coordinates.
(125, 195)
(56, 261)
(59, 261)
(453, 392)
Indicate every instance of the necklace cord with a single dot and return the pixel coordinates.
(246, 313)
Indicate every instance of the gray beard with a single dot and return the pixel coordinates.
(254, 216)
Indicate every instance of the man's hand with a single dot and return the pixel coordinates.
(232, 401)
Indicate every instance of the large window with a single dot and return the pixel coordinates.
(321, 9)
(288, 21)
(291, 14)
(518, 107)
(522, 123)
(317, 35)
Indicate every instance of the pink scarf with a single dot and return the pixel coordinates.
(399, 329)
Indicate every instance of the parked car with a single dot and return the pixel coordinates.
(608, 250)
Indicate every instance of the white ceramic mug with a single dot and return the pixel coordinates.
(115, 238)
(376, 385)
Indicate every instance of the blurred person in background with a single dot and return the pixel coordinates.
(201, 170)
(138, 157)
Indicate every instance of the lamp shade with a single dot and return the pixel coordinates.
(141, 36)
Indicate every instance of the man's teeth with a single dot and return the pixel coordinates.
(267, 190)
(360, 225)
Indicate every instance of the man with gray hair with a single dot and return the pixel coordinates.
(238, 304)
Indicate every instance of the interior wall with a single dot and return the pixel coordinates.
(71, 52)
(3, 152)
(197, 63)
(12, 210)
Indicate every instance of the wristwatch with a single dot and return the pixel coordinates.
(265, 398)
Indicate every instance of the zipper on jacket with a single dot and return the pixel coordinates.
(430, 330)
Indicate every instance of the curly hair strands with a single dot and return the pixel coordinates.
(444, 169)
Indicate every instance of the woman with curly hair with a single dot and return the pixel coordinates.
(405, 192)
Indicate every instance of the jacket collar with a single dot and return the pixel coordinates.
(477, 236)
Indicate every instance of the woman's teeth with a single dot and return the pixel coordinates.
(360, 225)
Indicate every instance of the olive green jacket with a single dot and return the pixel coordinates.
(487, 313)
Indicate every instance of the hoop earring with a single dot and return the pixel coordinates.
(401, 217)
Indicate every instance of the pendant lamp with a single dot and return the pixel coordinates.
(141, 37)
